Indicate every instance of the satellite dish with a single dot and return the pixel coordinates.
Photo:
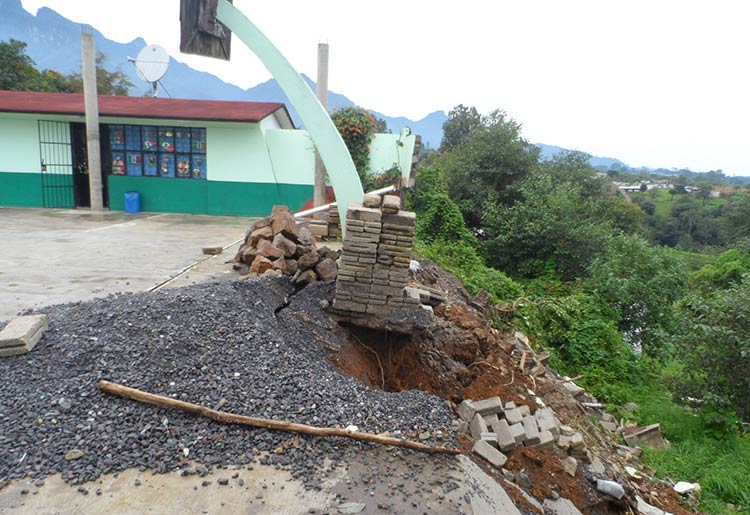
(151, 65)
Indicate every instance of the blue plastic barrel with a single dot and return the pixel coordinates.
(132, 202)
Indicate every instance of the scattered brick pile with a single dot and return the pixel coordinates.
(498, 428)
(374, 268)
(277, 245)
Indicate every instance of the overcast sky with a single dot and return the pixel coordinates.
(656, 83)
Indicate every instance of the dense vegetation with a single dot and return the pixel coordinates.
(18, 73)
(648, 299)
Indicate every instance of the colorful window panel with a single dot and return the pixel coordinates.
(183, 165)
(182, 139)
(117, 137)
(132, 137)
(166, 165)
(166, 139)
(150, 164)
(198, 137)
(118, 162)
(199, 167)
(150, 143)
(134, 164)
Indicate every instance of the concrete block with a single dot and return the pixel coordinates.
(22, 334)
(489, 453)
(567, 431)
(505, 439)
(609, 426)
(391, 204)
(491, 420)
(531, 430)
(510, 405)
(649, 436)
(466, 410)
(372, 201)
(574, 389)
(525, 410)
(610, 488)
(405, 219)
(25, 330)
(519, 435)
(570, 464)
(490, 438)
(344, 305)
(645, 508)
(488, 406)
(513, 416)
(358, 212)
(546, 440)
(563, 442)
(576, 442)
(477, 427)
(549, 424)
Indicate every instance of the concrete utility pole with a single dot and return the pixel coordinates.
(321, 90)
(91, 103)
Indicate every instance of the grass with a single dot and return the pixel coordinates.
(719, 463)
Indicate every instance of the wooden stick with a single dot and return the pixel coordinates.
(279, 425)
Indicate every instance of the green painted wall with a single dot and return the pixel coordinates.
(388, 150)
(165, 195)
(293, 156)
(238, 153)
(21, 189)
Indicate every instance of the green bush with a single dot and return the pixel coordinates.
(462, 260)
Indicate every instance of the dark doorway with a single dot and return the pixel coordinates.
(81, 164)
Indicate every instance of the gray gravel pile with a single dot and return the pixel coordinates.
(250, 347)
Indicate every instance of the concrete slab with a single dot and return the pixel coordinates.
(52, 256)
(442, 487)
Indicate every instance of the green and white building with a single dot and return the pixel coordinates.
(182, 156)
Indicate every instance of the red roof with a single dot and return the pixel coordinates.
(139, 107)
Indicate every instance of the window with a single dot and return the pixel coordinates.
(140, 150)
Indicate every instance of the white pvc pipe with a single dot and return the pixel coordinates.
(325, 207)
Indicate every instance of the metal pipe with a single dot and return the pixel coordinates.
(318, 209)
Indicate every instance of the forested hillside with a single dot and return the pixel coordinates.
(647, 296)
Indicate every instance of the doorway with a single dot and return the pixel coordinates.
(81, 186)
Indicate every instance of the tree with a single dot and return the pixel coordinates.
(17, 71)
(712, 343)
(643, 187)
(563, 218)
(107, 83)
(461, 122)
(485, 169)
(640, 283)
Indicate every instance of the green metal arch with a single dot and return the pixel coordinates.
(330, 145)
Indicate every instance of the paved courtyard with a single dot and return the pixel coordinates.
(52, 256)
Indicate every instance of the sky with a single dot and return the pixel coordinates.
(652, 83)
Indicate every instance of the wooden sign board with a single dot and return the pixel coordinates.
(200, 32)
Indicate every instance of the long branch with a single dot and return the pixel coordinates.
(279, 425)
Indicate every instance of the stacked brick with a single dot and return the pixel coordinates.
(374, 264)
(498, 429)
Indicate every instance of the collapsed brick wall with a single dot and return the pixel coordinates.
(374, 265)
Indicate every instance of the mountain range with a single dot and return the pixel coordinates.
(51, 38)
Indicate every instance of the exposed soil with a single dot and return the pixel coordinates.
(461, 356)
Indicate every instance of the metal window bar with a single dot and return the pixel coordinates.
(56, 161)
